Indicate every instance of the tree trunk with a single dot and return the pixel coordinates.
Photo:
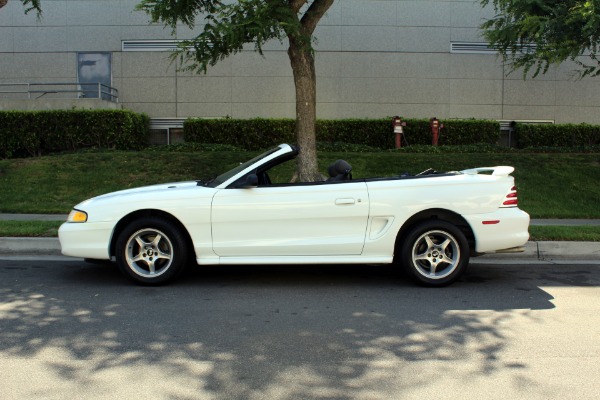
(303, 66)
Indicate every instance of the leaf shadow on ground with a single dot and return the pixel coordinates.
(322, 332)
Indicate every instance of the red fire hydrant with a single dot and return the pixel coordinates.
(436, 126)
(398, 126)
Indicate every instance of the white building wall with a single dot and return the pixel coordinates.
(375, 58)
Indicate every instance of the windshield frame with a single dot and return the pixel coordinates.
(234, 172)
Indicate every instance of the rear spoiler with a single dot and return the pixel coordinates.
(496, 171)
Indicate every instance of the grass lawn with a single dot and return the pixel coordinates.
(565, 233)
(550, 185)
(29, 228)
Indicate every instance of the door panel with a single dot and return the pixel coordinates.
(296, 220)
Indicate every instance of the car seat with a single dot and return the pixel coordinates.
(339, 171)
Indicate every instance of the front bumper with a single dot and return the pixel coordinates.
(86, 240)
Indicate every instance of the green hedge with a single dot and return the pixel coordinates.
(256, 134)
(247, 134)
(41, 132)
(559, 135)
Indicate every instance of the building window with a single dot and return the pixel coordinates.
(94, 75)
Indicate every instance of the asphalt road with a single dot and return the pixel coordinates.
(74, 330)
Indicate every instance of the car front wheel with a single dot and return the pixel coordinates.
(151, 251)
(435, 253)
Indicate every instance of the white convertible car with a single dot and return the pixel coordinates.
(429, 223)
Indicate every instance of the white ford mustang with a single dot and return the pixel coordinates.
(430, 223)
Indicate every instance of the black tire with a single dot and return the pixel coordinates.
(434, 253)
(151, 251)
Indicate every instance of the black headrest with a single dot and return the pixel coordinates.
(340, 167)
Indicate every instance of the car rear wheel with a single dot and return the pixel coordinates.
(151, 251)
(435, 253)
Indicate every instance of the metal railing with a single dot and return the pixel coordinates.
(94, 90)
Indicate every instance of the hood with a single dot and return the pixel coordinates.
(156, 192)
(175, 186)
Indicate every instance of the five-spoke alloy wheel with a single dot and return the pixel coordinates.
(435, 253)
(151, 251)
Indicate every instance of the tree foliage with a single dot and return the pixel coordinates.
(227, 27)
(230, 26)
(534, 34)
(30, 5)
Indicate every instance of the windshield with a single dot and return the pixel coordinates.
(227, 175)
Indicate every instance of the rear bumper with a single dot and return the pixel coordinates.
(505, 230)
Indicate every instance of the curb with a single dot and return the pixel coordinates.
(533, 250)
(30, 246)
(548, 251)
(569, 250)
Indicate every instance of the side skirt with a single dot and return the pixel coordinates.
(290, 260)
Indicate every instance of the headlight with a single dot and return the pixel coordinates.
(77, 216)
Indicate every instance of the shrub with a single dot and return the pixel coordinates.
(248, 134)
(42, 132)
(455, 132)
(257, 134)
(480, 148)
(346, 147)
(193, 147)
(559, 135)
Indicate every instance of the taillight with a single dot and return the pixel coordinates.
(511, 198)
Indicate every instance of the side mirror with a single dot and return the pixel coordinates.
(251, 181)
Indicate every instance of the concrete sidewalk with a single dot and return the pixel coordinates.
(546, 251)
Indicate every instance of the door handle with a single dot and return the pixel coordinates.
(342, 202)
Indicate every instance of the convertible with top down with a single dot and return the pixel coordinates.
(430, 224)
